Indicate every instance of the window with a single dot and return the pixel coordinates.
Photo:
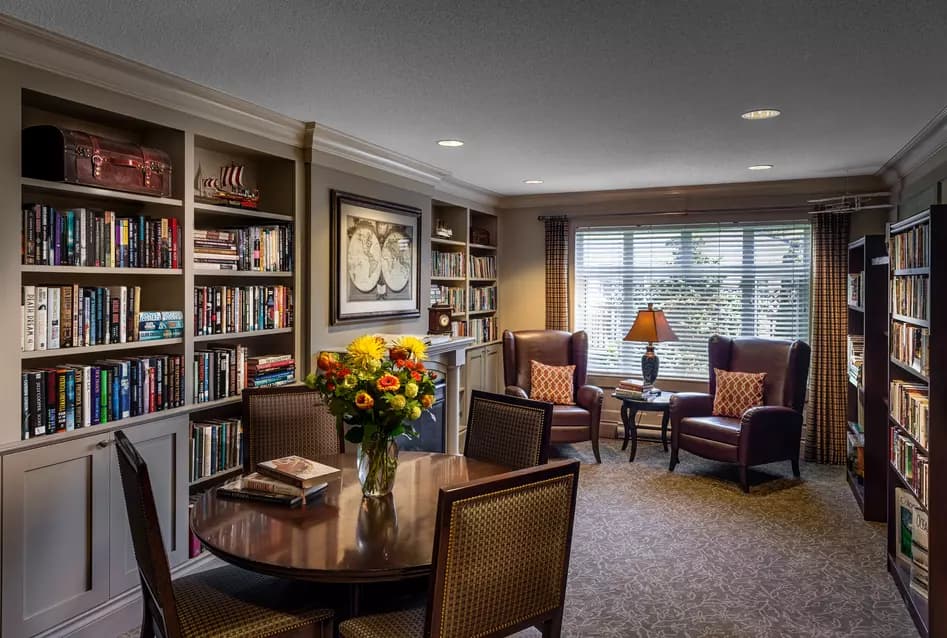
(730, 279)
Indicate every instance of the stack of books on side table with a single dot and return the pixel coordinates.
(290, 480)
(631, 389)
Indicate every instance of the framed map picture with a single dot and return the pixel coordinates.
(376, 259)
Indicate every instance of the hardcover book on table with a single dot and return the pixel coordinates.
(295, 470)
(240, 489)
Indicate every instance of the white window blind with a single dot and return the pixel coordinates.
(729, 279)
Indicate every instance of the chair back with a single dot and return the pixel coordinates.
(501, 552)
(152, 560)
(551, 347)
(508, 430)
(786, 364)
(288, 420)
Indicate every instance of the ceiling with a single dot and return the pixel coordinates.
(584, 95)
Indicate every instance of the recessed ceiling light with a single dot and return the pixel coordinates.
(760, 167)
(761, 114)
(532, 181)
(451, 143)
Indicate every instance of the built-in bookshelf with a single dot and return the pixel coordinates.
(867, 435)
(917, 512)
(464, 270)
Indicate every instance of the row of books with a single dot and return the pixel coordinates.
(856, 358)
(910, 249)
(913, 464)
(56, 317)
(483, 266)
(447, 264)
(270, 370)
(910, 345)
(68, 397)
(216, 445)
(228, 309)
(910, 406)
(856, 289)
(484, 329)
(87, 237)
(220, 371)
(910, 296)
(912, 540)
(458, 328)
(450, 295)
(483, 298)
(252, 248)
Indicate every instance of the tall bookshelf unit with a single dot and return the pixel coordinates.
(913, 453)
(867, 471)
(471, 290)
(69, 480)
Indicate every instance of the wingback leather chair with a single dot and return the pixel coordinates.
(570, 423)
(764, 434)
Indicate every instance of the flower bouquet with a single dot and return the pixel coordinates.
(378, 388)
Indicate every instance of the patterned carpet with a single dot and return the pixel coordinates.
(661, 555)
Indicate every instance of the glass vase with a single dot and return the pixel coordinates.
(377, 465)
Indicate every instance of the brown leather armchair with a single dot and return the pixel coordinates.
(570, 423)
(764, 434)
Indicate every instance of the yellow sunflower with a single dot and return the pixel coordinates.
(366, 351)
(415, 346)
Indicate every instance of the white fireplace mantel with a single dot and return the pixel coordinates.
(451, 354)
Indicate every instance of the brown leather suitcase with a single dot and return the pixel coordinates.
(64, 155)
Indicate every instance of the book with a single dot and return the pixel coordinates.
(920, 561)
(261, 483)
(298, 471)
(235, 489)
(42, 326)
(904, 506)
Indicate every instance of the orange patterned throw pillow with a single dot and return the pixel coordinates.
(551, 383)
(737, 392)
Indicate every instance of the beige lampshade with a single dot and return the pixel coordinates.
(650, 326)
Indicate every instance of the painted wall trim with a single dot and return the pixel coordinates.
(928, 142)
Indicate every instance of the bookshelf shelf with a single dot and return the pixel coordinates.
(198, 272)
(100, 270)
(201, 207)
(447, 242)
(482, 246)
(482, 312)
(43, 187)
(216, 403)
(856, 308)
(438, 278)
(111, 347)
(213, 478)
(242, 335)
(923, 561)
(483, 279)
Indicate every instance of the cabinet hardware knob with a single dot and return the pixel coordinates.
(103, 444)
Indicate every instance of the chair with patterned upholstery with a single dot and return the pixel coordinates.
(223, 602)
(508, 430)
(288, 420)
(501, 558)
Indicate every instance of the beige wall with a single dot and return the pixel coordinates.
(327, 174)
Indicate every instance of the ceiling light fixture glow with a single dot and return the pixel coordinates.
(760, 167)
(761, 114)
(532, 181)
(450, 143)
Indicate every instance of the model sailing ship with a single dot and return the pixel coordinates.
(228, 188)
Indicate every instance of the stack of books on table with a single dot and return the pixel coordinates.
(270, 370)
(290, 480)
(630, 389)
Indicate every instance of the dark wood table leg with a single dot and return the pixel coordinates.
(354, 596)
(665, 419)
(624, 421)
(633, 426)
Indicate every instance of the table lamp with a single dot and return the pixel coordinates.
(651, 326)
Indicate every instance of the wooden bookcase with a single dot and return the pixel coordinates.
(931, 619)
(867, 471)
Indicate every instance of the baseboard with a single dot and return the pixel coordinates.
(122, 613)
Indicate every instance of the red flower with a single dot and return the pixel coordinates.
(388, 383)
(344, 372)
(364, 401)
(416, 375)
(419, 367)
(400, 363)
(330, 387)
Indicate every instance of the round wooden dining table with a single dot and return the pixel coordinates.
(340, 537)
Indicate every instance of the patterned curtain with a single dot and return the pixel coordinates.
(826, 412)
(557, 273)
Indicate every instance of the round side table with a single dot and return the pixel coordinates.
(631, 407)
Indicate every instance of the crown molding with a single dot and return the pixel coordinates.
(929, 141)
(450, 188)
(36, 47)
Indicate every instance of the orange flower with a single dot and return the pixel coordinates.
(416, 375)
(364, 401)
(419, 367)
(427, 400)
(325, 361)
(388, 383)
(400, 363)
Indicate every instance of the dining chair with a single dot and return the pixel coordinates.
(508, 430)
(226, 601)
(288, 420)
(501, 559)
